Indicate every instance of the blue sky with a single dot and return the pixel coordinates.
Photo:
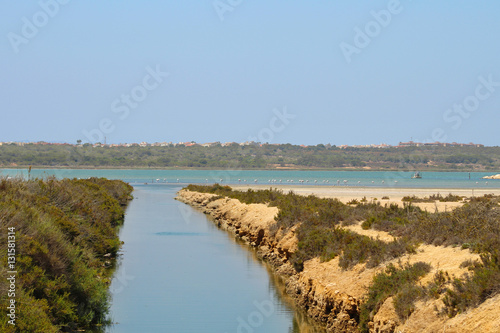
(300, 72)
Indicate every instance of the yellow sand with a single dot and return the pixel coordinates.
(346, 193)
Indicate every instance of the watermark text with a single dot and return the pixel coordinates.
(11, 275)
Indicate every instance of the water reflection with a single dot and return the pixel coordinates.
(169, 233)
(277, 286)
(179, 274)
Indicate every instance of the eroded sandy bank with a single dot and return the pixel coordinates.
(332, 295)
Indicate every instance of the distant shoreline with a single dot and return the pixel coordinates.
(265, 157)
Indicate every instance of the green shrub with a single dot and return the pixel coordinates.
(414, 198)
(63, 230)
(451, 198)
(476, 287)
(438, 285)
(404, 300)
(368, 223)
(399, 281)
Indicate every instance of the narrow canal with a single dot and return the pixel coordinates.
(179, 273)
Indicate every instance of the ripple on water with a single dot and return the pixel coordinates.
(172, 233)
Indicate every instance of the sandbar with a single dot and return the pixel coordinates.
(348, 193)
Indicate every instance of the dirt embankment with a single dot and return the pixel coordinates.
(331, 295)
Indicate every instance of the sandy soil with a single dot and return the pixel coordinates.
(382, 235)
(346, 194)
(439, 257)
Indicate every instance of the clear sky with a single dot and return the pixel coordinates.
(300, 72)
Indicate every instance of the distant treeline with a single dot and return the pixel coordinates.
(253, 157)
(63, 236)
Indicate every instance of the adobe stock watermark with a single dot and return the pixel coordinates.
(123, 105)
(255, 319)
(277, 124)
(11, 276)
(454, 116)
(120, 281)
(224, 6)
(372, 29)
(31, 26)
(186, 212)
(471, 103)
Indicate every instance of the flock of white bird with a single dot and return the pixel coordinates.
(280, 181)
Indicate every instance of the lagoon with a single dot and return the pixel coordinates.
(270, 177)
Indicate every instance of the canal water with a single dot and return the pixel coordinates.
(179, 273)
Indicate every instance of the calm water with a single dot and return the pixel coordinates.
(325, 178)
(179, 273)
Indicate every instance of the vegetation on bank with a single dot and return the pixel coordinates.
(253, 157)
(65, 242)
(398, 282)
(433, 198)
(475, 225)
